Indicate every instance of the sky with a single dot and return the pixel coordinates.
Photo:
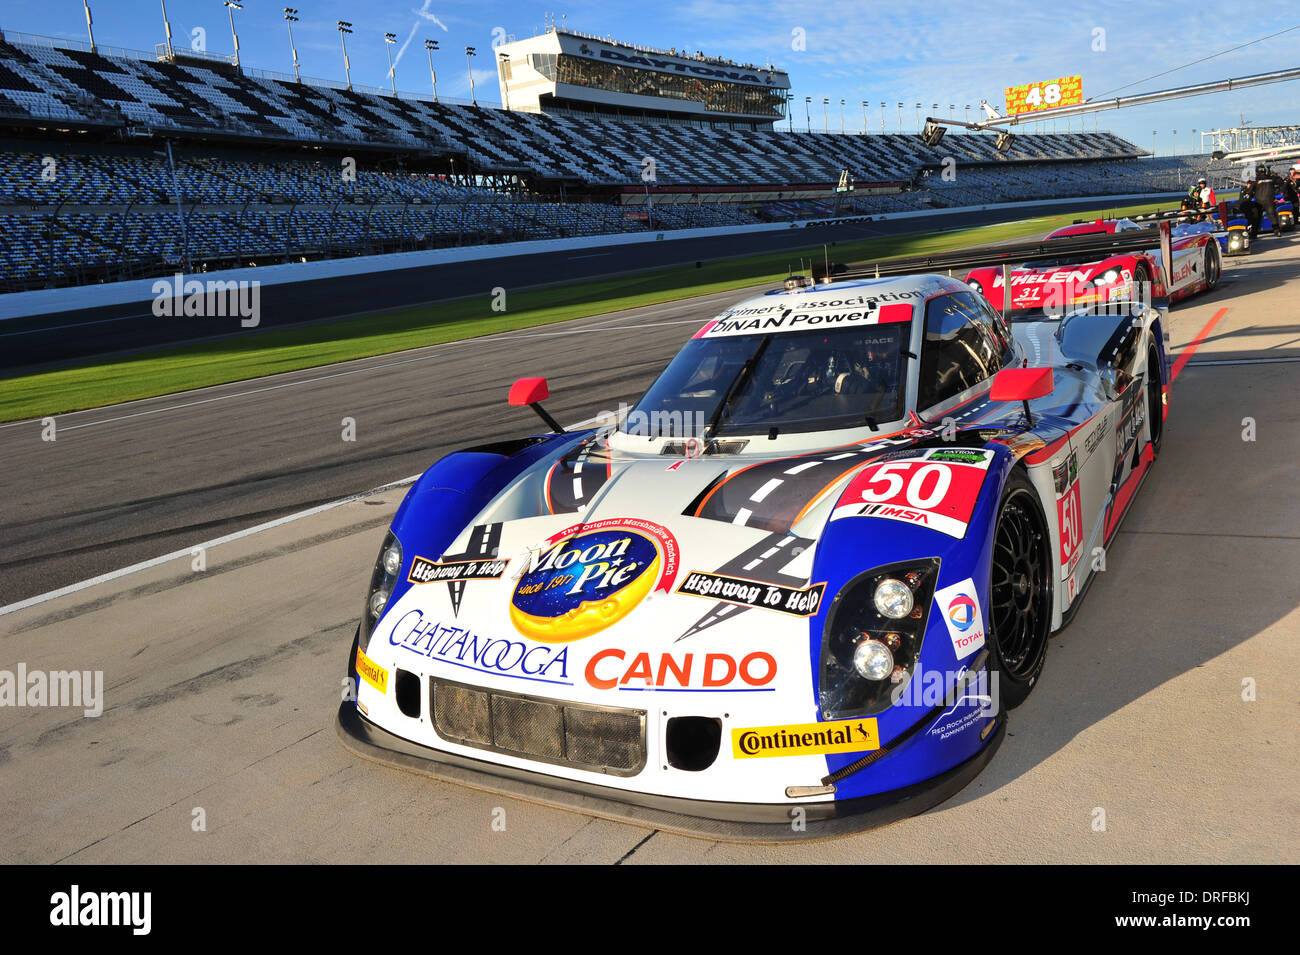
(943, 52)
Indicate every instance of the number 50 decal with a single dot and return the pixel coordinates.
(938, 494)
(915, 492)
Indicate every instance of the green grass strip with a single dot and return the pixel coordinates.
(255, 354)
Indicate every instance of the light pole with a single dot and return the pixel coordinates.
(90, 25)
(1153, 144)
(290, 18)
(470, 52)
(951, 107)
(826, 123)
(430, 46)
(968, 115)
(167, 28)
(344, 29)
(807, 113)
(231, 7)
(864, 117)
(503, 59)
(882, 119)
(900, 117)
(389, 40)
(841, 117)
(918, 117)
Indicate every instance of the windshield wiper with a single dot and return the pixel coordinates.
(733, 389)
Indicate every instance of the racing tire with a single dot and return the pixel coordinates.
(1155, 401)
(1020, 592)
(1142, 288)
(1213, 266)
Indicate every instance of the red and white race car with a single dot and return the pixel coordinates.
(1047, 283)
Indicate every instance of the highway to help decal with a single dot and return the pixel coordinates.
(960, 608)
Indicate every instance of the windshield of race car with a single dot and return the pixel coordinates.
(790, 381)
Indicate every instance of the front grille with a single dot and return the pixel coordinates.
(603, 739)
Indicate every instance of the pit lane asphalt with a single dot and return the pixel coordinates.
(221, 685)
(43, 340)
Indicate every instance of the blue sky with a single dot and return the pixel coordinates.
(943, 52)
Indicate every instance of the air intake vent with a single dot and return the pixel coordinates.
(602, 739)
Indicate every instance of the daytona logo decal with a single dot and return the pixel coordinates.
(844, 736)
(960, 610)
(590, 576)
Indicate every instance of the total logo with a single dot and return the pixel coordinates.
(961, 611)
(590, 576)
(961, 615)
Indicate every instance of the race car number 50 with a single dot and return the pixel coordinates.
(937, 489)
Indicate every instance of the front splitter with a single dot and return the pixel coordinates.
(702, 819)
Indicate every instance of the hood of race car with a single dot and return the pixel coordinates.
(633, 572)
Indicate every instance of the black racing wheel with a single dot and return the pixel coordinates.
(1020, 592)
(1213, 267)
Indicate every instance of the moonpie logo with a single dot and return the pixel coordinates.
(590, 576)
(961, 611)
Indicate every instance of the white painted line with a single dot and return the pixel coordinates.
(841, 457)
(577, 489)
(742, 515)
(205, 401)
(765, 490)
(800, 468)
(206, 545)
(485, 339)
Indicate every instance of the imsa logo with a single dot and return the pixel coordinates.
(589, 578)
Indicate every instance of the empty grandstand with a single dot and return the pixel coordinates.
(119, 164)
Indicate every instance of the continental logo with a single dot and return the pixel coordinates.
(807, 739)
(372, 672)
(591, 576)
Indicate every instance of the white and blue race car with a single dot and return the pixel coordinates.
(794, 592)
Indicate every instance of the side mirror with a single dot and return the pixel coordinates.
(1023, 385)
(531, 392)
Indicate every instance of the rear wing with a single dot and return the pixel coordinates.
(1007, 253)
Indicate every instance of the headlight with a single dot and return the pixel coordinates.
(893, 598)
(974, 283)
(872, 659)
(873, 637)
(1109, 277)
(382, 581)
